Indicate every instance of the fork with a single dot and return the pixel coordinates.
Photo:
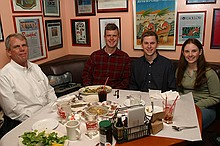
(180, 128)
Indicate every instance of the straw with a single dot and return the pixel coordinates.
(173, 103)
(106, 82)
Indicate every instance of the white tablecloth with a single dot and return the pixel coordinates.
(185, 114)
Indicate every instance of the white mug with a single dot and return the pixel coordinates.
(73, 131)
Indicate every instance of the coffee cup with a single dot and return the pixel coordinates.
(73, 130)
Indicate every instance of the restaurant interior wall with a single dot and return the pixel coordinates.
(67, 12)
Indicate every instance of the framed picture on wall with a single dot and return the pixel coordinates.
(80, 32)
(24, 6)
(85, 7)
(102, 23)
(51, 8)
(1, 31)
(157, 16)
(104, 6)
(200, 1)
(190, 25)
(215, 41)
(54, 34)
(32, 28)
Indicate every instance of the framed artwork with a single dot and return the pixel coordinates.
(190, 25)
(104, 6)
(81, 32)
(32, 28)
(85, 7)
(157, 16)
(54, 34)
(200, 1)
(215, 41)
(24, 6)
(102, 23)
(1, 31)
(51, 8)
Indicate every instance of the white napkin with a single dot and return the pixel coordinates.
(171, 95)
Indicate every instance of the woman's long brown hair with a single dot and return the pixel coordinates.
(201, 65)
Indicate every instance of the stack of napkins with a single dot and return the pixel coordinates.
(171, 95)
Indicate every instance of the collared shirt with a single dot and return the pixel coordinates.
(102, 65)
(24, 91)
(208, 94)
(159, 75)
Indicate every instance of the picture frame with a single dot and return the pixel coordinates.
(1, 31)
(81, 32)
(85, 8)
(200, 1)
(190, 25)
(31, 26)
(102, 23)
(51, 8)
(215, 42)
(54, 34)
(104, 6)
(157, 16)
(21, 6)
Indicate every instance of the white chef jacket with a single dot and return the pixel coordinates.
(24, 91)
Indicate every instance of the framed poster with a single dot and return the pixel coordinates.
(80, 32)
(51, 8)
(215, 41)
(54, 34)
(102, 23)
(32, 28)
(190, 25)
(157, 16)
(200, 1)
(1, 31)
(104, 6)
(85, 7)
(24, 6)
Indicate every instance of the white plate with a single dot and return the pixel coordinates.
(157, 109)
(90, 98)
(45, 124)
(82, 90)
(127, 103)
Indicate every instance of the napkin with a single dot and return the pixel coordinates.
(171, 95)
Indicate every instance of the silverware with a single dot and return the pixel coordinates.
(180, 128)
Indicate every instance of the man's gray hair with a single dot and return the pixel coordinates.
(16, 35)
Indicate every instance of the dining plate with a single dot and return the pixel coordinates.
(127, 103)
(148, 110)
(45, 124)
(91, 90)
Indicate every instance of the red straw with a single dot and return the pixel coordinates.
(173, 104)
(106, 82)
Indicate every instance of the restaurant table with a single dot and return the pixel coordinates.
(186, 113)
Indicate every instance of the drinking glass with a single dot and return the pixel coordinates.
(91, 121)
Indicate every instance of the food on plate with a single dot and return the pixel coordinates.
(99, 110)
(95, 89)
(35, 138)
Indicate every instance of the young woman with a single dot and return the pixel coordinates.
(196, 76)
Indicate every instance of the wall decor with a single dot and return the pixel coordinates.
(1, 31)
(85, 7)
(157, 16)
(104, 6)
(200, 1)
(215, 41)
(24, 6)
(54, 34)
(190, 25)
(51, 8)
(32, 27)
(102, 23)
(81, 32)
